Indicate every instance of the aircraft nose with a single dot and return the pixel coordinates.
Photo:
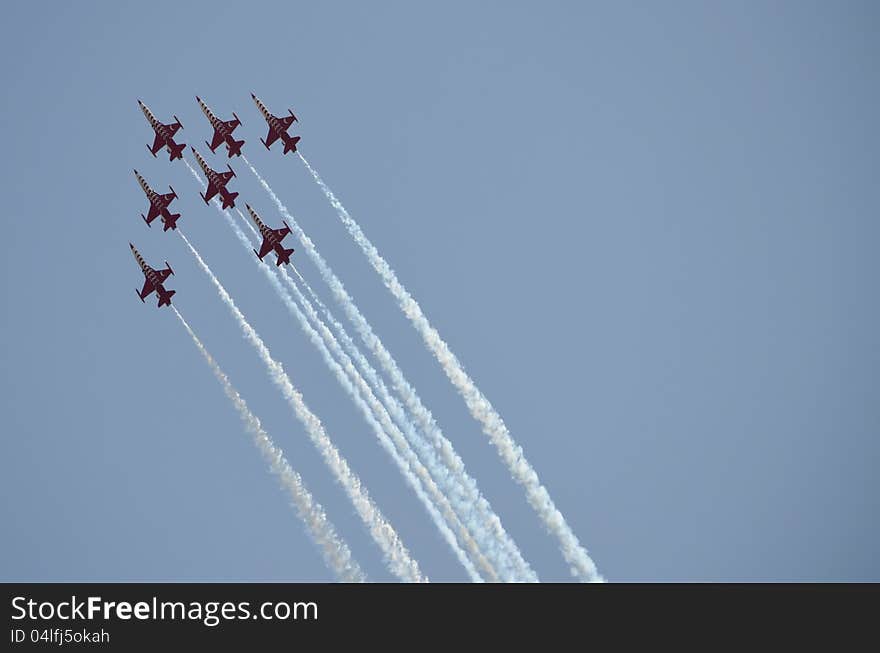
(132, 246)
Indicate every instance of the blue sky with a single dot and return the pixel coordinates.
(649, 232)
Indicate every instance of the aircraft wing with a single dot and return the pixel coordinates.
(158, 143)
(215, 142)
(147, 289)
(173, 127)
(152, 213)
(163, 274)
(227, 176)
(265, 248)
(210, 191)
(287, 121)
(167, 197)
(271, 138)
(281, 233)
(232, 124)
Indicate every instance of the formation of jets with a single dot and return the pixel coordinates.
(154, 280)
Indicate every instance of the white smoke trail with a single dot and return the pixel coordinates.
(461, 488)
(370, 412)
(373, 411)
(437, 470)
(334, 550)
(397, 557)
(481, 409)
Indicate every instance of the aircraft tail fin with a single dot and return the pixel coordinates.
(229, 200)
(170, 221)
(284, 256)
(165, 298)
(290, 144)
(176, 151)
(235, 148)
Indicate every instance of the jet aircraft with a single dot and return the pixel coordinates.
(222, 131)
(153, 280)
(216, 183)
(158, 205)
(277, 128)
(271, 240)
(164, 135)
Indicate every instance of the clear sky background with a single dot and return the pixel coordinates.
(649, 230)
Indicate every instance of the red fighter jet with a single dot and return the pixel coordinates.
(277, 128)
(153, 280)
(271, 240)
(222, 131)
(158, 205)
(217, 183)
(164, 135)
